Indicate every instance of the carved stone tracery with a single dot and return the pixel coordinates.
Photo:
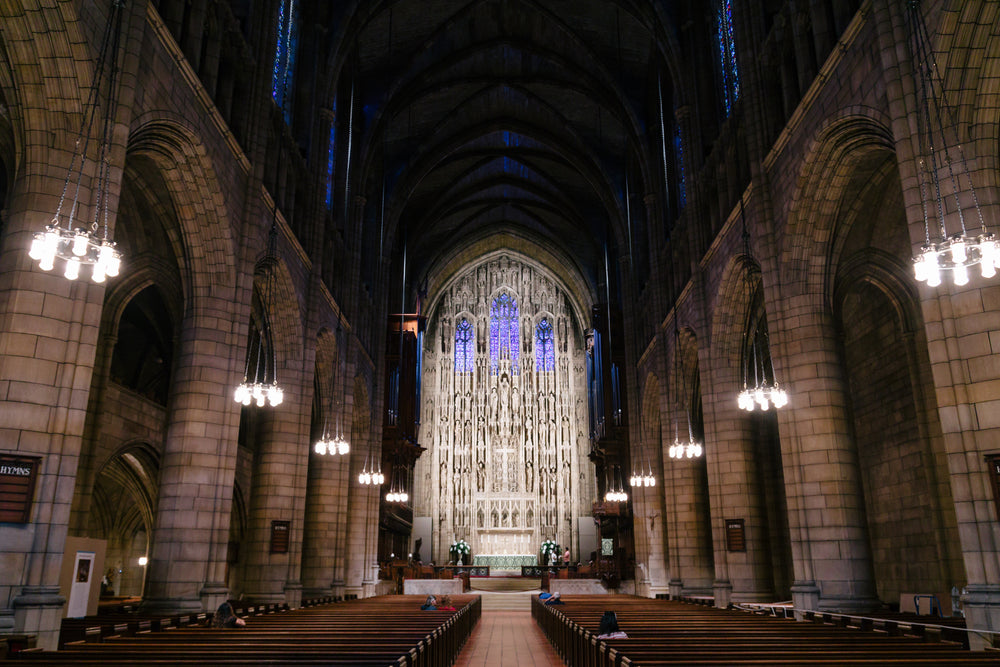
(507, 448)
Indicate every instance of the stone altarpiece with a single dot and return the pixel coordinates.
(504, 413)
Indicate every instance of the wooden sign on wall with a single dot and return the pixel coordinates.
(736, 539)
(17, 487)
(279, 537)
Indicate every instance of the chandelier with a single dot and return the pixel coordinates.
(332, 444)
(940, 176)
(397, 486)
(262, 387)
(691, 449)
(756, 362)
(369, 475)
(645, 476)
(61, 240)
(615, 493)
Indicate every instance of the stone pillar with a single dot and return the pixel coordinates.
(278, 495)
(734, 487)
(831, 556)
(48, 332)
(325, 525)
(961, 325)
(187, 567)
(358, 555)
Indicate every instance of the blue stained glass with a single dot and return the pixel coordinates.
(464, 347)
(727, 56)
(545, 349)
(504, 338)
(329, 165)
(284, 55)
(679, 158)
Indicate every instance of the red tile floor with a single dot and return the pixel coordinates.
(507, 639)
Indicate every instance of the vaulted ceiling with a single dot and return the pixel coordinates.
(518, 116)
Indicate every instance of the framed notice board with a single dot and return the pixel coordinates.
(17, 487)
(736, 539)
(279, 537)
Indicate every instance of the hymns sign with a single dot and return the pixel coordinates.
(17, 487)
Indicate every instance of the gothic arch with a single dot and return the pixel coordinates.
(203, 234)
(850, 145)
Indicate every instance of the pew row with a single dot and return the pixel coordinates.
(663, 632)
(389, 631)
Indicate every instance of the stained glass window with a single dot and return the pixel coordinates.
(504, 339)
(284, 55)
(679, 158)
(545, 353)
(329, 164)
(464, 347)
(727, 56)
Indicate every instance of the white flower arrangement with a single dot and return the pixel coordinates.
(460, 547)
(549, 547)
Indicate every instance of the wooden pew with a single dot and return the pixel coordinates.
(662, 632)
(387, 631)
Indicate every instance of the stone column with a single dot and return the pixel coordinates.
(278, 494)
(961, 325)
(734, 487)
(830, 551)
(325, 525)
(48, 333)
(187, 567)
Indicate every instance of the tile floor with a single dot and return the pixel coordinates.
(507, 639)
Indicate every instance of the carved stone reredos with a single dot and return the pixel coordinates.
(507, 465)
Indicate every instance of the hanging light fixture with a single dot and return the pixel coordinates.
(336, 444)
(756, 361)
(940, 175)
(369, 475)
(397, 486)
(645, 476)
(615, 493)
(691, 449)
(77, 246)
(261, 352)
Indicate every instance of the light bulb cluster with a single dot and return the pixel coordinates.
(616, 496)
(691, 449)
(397, 497)
(76, 248)
(331, 446)
(957, 254)
(368, 477)
(645, 479)
(762, 396)
(250, 392)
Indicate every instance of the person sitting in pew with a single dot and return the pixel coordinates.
(609, 627)
(446, 604)
(225, 617)
(430, 604)
(554, 599)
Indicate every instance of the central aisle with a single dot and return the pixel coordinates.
(507, 639)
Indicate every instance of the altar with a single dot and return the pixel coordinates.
(505, 561)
